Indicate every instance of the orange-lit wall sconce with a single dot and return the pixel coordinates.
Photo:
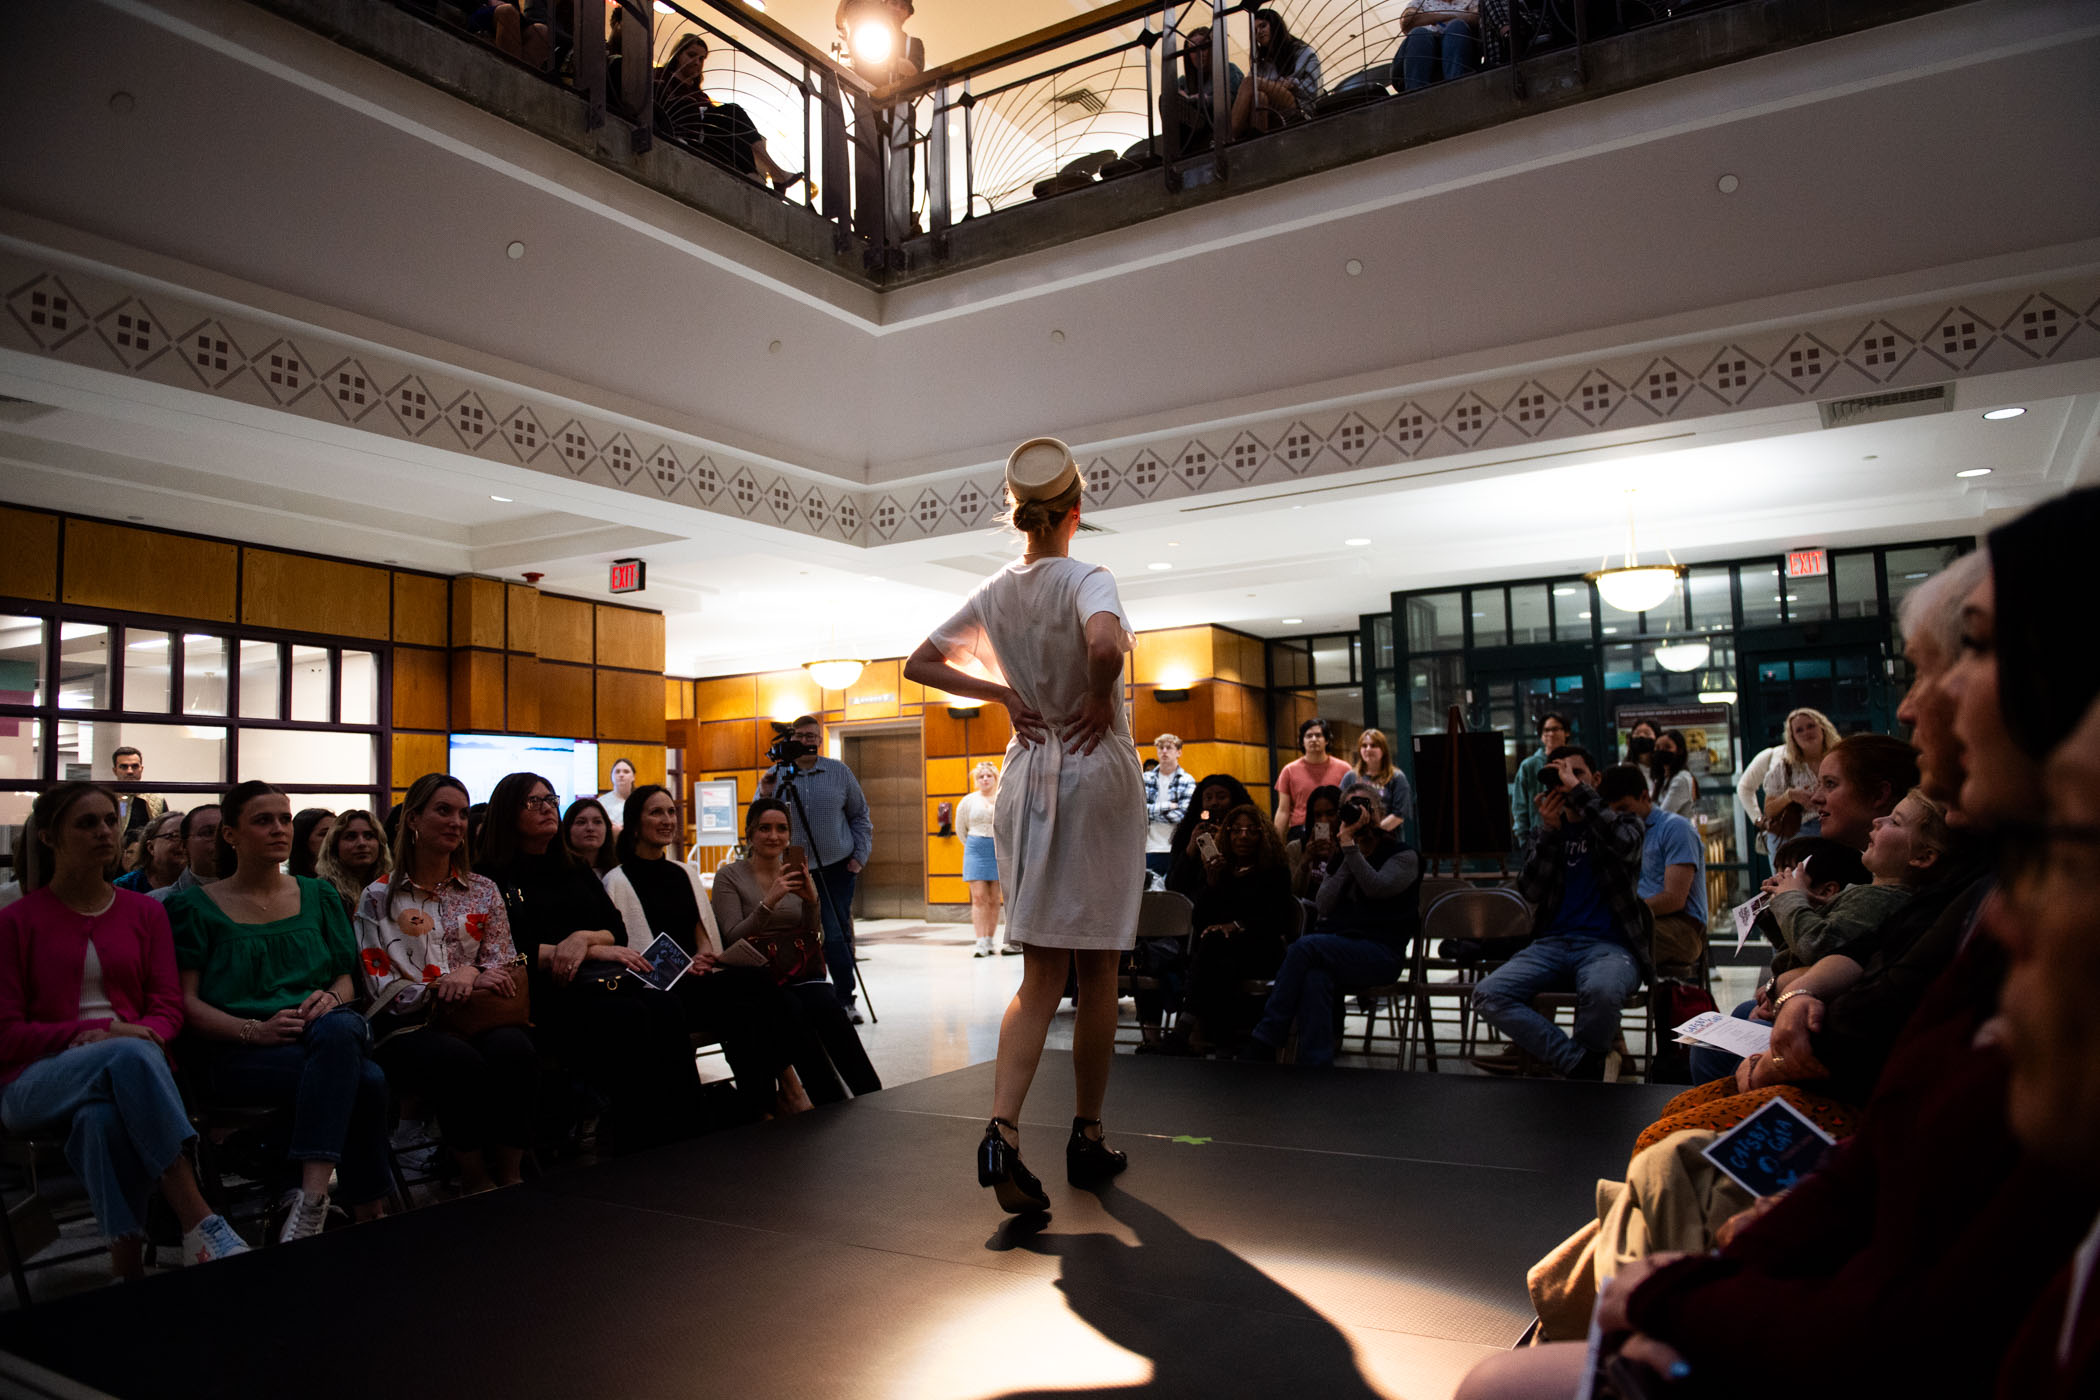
(964, 711)
(1171, 695)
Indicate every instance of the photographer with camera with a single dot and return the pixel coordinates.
(1369, 909)
(826, 796)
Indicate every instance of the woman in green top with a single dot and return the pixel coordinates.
(266, 961)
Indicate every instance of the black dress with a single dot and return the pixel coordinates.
(1261, 903)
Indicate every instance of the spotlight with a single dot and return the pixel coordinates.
(874, 32)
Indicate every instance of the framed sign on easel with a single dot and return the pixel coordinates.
(1463, 796)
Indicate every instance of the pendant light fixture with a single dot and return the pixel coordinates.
(834, 675)
(1687, 654)
(1635, 587)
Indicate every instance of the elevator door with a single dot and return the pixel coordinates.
(893, 775)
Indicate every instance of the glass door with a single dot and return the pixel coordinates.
(1512, 694)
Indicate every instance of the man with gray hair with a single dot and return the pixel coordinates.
(1168, 791)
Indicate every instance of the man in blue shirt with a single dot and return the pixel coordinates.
(838, 848)
(1582, 864)
(1673, 872)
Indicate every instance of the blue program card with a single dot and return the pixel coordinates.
(667, 962)
(1772, 1150)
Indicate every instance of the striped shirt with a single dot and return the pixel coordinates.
(832, 797)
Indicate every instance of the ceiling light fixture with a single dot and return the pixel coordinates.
(1358, 543)
(1635, 587)
(1999, 415)
(836, 674)
(1683, 656)
(1160, 567)
(1292, 621)
(1973, 472)
(505, 499)
(1717, 697)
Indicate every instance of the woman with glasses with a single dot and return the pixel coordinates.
(162, 858)
(1524, 791)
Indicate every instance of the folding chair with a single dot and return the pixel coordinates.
(1161, 914)
(1479, 912)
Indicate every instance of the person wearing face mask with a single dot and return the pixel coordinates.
(354, 855)
(1778, 787)
(441, 933)
(200, 851)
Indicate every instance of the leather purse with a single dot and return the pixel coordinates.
(792, 955)
(486, 1009)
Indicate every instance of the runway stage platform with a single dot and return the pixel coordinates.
(1280, 1232)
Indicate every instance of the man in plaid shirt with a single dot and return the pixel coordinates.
(1168, 791)
(1582, 868)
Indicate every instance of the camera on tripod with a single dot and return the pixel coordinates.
(786, 747)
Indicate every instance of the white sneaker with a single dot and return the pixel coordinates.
(983, 948)
(308, 1217)
(212, 1238)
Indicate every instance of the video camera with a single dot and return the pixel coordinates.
(786, 747)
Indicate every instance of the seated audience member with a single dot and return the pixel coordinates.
(1524, 791)
(1244, 920)
(200, 851)
(1188, 114)
(1439, 39)
(762, 894)
(130, 851)
(162, 856)
(1286, 79)
(1368, 911)
(1778, 786)
(626, 1040)
(268, 963)
(89, 999)
(1673, 872)
(518, 27)
(1581, 873)
(1301, 776)
(1931, 1221)
(1860, 781)
(1166, 959)
(1313, 854)
(1902, 854)
(1169, 789)
(1215, 796)
(721, 131)
(588, 833)
(441, 932)
(354, 856)
(1676, 790)
(310, 830)
(1374, 769)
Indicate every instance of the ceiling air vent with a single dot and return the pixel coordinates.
(1880, 408)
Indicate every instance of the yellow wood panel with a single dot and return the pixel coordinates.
(941, 889)
(630, 706)
(944, 855)
(301, 594)
(566, 696)
(477, 691)
(29, 564)
(417, 754)
(783, 695)
(422, 610)
(1177, 656)
(477, 612)
(933, 812)
(727, 743)
(947, 776)
(908, 692)
(631, 640)
(521, 617)
(648, 761)
(110, 566)
(678, 698)
(725, 697)
(521, 695)
(565, 629)
(422, 685)
(874, 695)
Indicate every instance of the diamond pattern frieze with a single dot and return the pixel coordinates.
(414, 406)
(2038, 326)
(707, 479)
(970, 503)
(886, 516)
(134, 332)
(575, 447)
(1880, 351)
(470, 417)
(1299, 447)
(1663, 385)
(1959, 338)
(524, 434)
(1803, 363)
(621, 459)
(48, 311)
(1193, 466)
(1732, 374)
(1353, 438)
(816, 510)
(1145, 473)
(1468, 418)
(848, 517)
(1530, 409)
(666, 472)
(1243, 458)
(1410, 429)
(743, 490)
(780, 500)
(211, 352)
(1595, 397)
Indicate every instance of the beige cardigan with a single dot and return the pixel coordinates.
(630, 906)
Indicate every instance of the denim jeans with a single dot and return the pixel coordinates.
(336, 1091)
(1709, 1063)
(127, 1123)
(1600, 973)
(1315, 970)
(1450, 46)
(836, 905)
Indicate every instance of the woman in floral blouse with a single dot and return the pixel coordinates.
(429, 937)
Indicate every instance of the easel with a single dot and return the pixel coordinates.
(1461, 777)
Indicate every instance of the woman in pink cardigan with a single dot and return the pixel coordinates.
(88, 1002)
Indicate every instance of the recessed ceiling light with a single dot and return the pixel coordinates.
(1158, 568)
(1563, 592)
(772, 347)
(1609, 630)
(504, 499)
(1354, 267)
(1173, 544)
(1356, 543)
(1997, 414)
(1728, 184)
(1974, 471)
(1584, 616)
(1292, 621)
(1057, 337)
(515, 250)
(1914, 577)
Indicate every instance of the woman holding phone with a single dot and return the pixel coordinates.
(1045, 637)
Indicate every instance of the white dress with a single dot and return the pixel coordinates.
(1069, 830)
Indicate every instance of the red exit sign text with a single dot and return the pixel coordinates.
(628, 576)
(1807, 563)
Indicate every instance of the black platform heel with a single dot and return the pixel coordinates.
(1089, 1161)
(999, 1167)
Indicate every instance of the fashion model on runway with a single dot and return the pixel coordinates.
(1045, 637)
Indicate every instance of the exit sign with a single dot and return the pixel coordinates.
(1807, 563)
(628, 576)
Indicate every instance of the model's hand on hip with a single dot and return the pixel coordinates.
(1029, 727)
(1083, 733)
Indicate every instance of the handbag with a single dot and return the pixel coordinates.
(485, 1008)
(792, 955)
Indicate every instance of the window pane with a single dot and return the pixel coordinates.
(1490, 623)
(1435, 622)
(1760, 594)
(360, 681)
(203, 674)
(1571, 610)
(1808, 599)
(1342, 706)
(172, 753)
(259, 681)
(312, 685)
(293, 758)
(1855, 585)
(14, 811)
(1907, 568)
(1712, 604)
(1290, 665)
(21, 660)
(1434, 686)
(83, 666)
(1530, 616)
(1330, 660)
(146, 675)
(21, 749)
(1382, 641)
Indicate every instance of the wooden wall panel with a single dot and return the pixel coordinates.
(942, 734)
(295, 593)
(783, 695)
(631, 640)
(1190, 718)
(521, 694)
(875, 694)
(725, 697)
(944, 856)
(422, 610)
(29, 564)
(566, 629)
(678, 698)
(109, 566)
(1236, 714)
(648, 761)
(947, 777)
(566, 699)
(729, 743)
(942, 889)
(631, 706)
(477, 691)
(521, 617)
(1175, 656)
(477, 613)
(990, 732)
(417, 754)
(422, 688)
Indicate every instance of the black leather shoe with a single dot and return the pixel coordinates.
(1089, 1161)
(999, 1167)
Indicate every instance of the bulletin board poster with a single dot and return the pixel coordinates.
(716, 800)
(1705, 729)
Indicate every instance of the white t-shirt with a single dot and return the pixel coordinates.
(973, 815)
(94, 997)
